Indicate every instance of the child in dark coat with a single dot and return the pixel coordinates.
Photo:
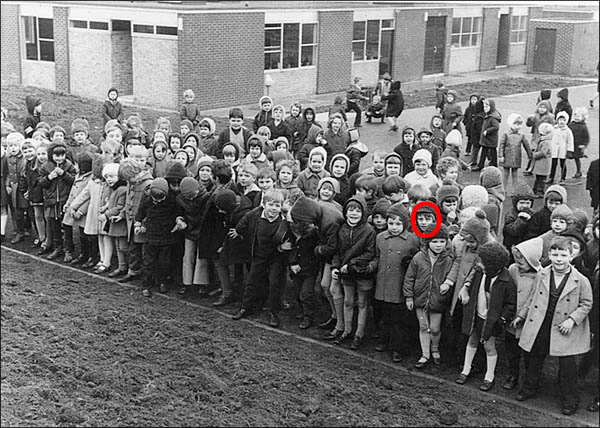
(112, 108)
(517, 219)
(581, 136)
(468, 122)
(189, 109)
(34, 111)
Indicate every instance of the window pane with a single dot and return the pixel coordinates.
(273, 38)
(169, 31)
(46, 50)
(31, 51)
(118, 25)
(477, 25)
(455, 25)
(148, 29)
(95, 25)
(78, 24)
(308, 34)
(387, 23)
(307, 56)
(522, 36)
(358, 51)
(291, 45)
(455, 41)
(29, 24)
(514, 22)
(513, 37)
(474, 39)
(46, 30)
(465, 40)
(272, 60)
(359, 30)
(523, 25)
(373, 39)
(466, 25)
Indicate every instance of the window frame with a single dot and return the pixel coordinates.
(135, 27)
(31, 24)
(520, 33)
(466, 35)
(365, 39)
(279, 49)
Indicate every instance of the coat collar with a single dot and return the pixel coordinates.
(572, 282)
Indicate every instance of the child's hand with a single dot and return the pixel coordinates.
(232, 234)
(59, 171)
(344, 269)
(138, 228)
(517, 322)
(463, 295)
(444, 288)
(77, 214)
(286, 246)
(451, 216)
(51, 176)
(295, 269)
(116, 218)
(410, 304)
(501, 160)
(566, 326)
(524, 215)
(9, 189)
(335, 273)
(102, 217)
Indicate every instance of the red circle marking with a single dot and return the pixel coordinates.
(413, 219)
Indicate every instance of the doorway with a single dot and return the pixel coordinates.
(503, 41)
(387, 52)
(121, 56)
(543, 50)
(435, 45)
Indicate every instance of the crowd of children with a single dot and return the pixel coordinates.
(251, 213)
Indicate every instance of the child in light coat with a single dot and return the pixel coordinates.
(510, 148)
(562, 147)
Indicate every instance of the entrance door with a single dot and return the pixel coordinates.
(503, 40)
(387, 49)
(543, 50)
(435, 44)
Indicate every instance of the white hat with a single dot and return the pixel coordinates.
(422, 154)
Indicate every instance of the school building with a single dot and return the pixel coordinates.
(233, 52)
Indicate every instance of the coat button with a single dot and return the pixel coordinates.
(535, 306)
(530, 320)
(568, 300)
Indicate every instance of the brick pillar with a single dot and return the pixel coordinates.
(220, 62)
(61, 48)
(489, 39)
(409, 44)
(11, 47)
(334, 58)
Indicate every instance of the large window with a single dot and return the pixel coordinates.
(466, 32)
(366, 39)
(39, 38)
(289, 45)
(518, 29)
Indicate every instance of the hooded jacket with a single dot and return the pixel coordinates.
(452, 114)
(515, 227)
(438, 137)
(406, 152)
(477, 120)
(563, 104)
(191, 211)
(305, 126)
(581, 138)
(490, 127)
(469, 115)
(511, 145)
(56, 192)
(534, 121)
(540, 220)
(112, 109)
(310, 143)
(32, 118)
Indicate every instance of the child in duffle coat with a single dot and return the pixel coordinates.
(35, 196)
(562, 147)
(29, 156)
(489, 301)
(427, 292)
(308, 179)
(189, 109)
(406, 149)
(523, 271)
(112, 107)
(393, 250)
(510, 148)
(542, 155)
(491, 179)
(75, 215)
(207, 143)
(543, 114)
(489, 134)
(581, 137)
(555, 322)
(516, 221)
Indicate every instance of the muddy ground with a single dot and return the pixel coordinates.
(79, 350)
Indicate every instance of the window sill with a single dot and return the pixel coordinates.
(518, 43)
(366, 60)
(465, 47)
(280, 70)
(36, 61)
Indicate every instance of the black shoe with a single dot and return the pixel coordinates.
(421, 363)
(223, 300)
(523, 396)
(306, 323)
(486, 385)
(162, 288)
(510, 383)
(329, 324)
(569, 409)
(380, 347)
(44, 250)
(476, 168)
(333, 334)
(342, 338)
(128, 278)
(396, 357)
(356, 342)
(274, 320)
(461, 379)
(242, 313)
(18, 238)
(182, 289)
(79, 259)
(117, 272)
(55, 254)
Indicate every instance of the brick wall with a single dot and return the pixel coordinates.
(584, 58)
(516, 53)
(90, 62)
(155, 71)
(564, 45)
(61, 47)
(299, 82)
(568, 14)
(38, 73)
(227, 64)
(409, 45)
(11, 53)
(489, 39)
(334, 58)
(464, 60)
(122, 62)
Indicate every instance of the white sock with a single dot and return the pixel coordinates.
(469, 355)
(3, 220)
(491, 367)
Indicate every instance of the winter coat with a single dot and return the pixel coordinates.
(452, 115)
(280, 130)
(208, 146)
(191, 112)
(510, 148)
(575, 302)
(440, 97)
(355, 153)
(428, 180)
(563, 104)
(136, 189)
(406, 152)
(501, 305)
(294, 124)
(16, 169)
(344, 193)
(159, 219)
(79, 184)
(477, 121)
(56, 192)
(338, 107)
(309, 144)
(192, 213)
(329, 221)
(422, 281)
(581, 138)
(539, 223)
(73, 149)
(562, 142)
(30, 183)
(392, 257)
(248, 229)
(490, 127)
(592, 182)
(534, 121)
(515, 227)
(469, 115)
(112, 110)
(303, 255)
(308, 181)
(262, 118)
(433, 149)
(395, 105)
(543, 156)
(336, 142)
(32, 119)
(224, 138)
(91, 197)
(116, 202)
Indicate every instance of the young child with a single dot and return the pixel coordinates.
(117, 226)
(235, 133)
(562, 147)
(491, 179)
(309, 178)
(437, 135)
(376, 109)
(563, 104)
(581, 137)
(476, 124)
(246, 176)
(207, 143)
(523, 272)
(489, 302)
(510, 148)
(36, 197)
(294, 123)
(592, 183)
(406, 149)
(34, 112)
(340, 164)
(424, 141)
(355, 151)
(417, 193)
(256, 152)
(543, 114)
(135, 129)
(163, 124)
(468, 122)
(422, 173)
(112, 108)
(558, 325)
(453, 147)
(287, 173)
(447, 170)
(185, 127)
(278, 126)
(205, 173)
(231, 155)
(327, 189)
(17, 205)
(110, 175)
(560, 219)
(335, 137)
(367, 188)
(428, 294)
(392, 164)
(265, 179)
(114, 132)
(160, 159)
(540, 220)
(190, 110)
(379, 220)
(352, 266)
(516, 221)
(394, 249)
(395, 190)
(80, 129)
(378, 164)
(440, 95)
(542, 155)
(265, 229)
(452, 113)
(447, 200)
(264, 115)
(489, 134)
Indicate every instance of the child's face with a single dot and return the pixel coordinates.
(281, 146)
(191, 152)
(336, 124)
(378, 164)
(471, 243)
(245, 179)
(174, 184)
(58, 159)
(316, 163)
(182, 158)
(29, 153)
(310, 116)
(449, 205)
(205, 173)
(450, 98)
(552, 203)
(520, 261)
(486, 106)
(175, 143)
(338, 168)
(408, 137)
(236, 122)
(473, 100)
(139, 159)
(115, 134)
(38, 108)
(576, 249)
(160, 152)
(436, 122)
(299, 227)
(353, 215)
(394, 225)
(286, 175)
(42, 155)
(112, 95)
(272, 209)
(425, 220)
(13, 149)
(561, 122)
(229, 156)
(204, 131)
(79, 137)
(451, 173)
(60, 137)
(379, 222)
(395, 196)
(319, 139)
(542, 109)
(524, 204)
(516, 126)
(277, 114)
(189, 97)
(164, 127)
(437, 245)
(326, 192)
(376, 99)
(392, 169)
(266, 106)
(424, 137)
(421, 167)
(255, 152)
(558, 225)
(264, 133)
(184, 129)
(560, 259)
(577, 117)
(111, 179)
(295, 111)
(265, 184)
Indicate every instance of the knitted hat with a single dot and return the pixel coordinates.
(160, 135)
(545, 129)
(580, 220)
(454, 138)
(490, 176)
(134, 120)
(80, 125)
(474, 195)
(562, 211)
(343, 157)
(110, 169)
(494, 256)
(98, 163)
(257, 138)
(478, 227)
(175, 171)
(113, 90)
(112, 124)
(426, 209)
(381, 207)
(225, 200)
(279, 106)
(205, 161)
(443, 233)
(84, 160)
(523, 192)
(424, 155)
(208, 123)
(447, 190)
(557, 190)
(334, 183)
(159, 188)
(55, 129)
(453, 93)
(189, 187)
(187, 156)
(187, 123)
(320, 150)
(128, 168)
(424, 130)
(306, 209)
(563, 114)
(514, 117)
(265, 99)
(393, 158)
(399, 210)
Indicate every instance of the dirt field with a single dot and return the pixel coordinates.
(82, 351)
